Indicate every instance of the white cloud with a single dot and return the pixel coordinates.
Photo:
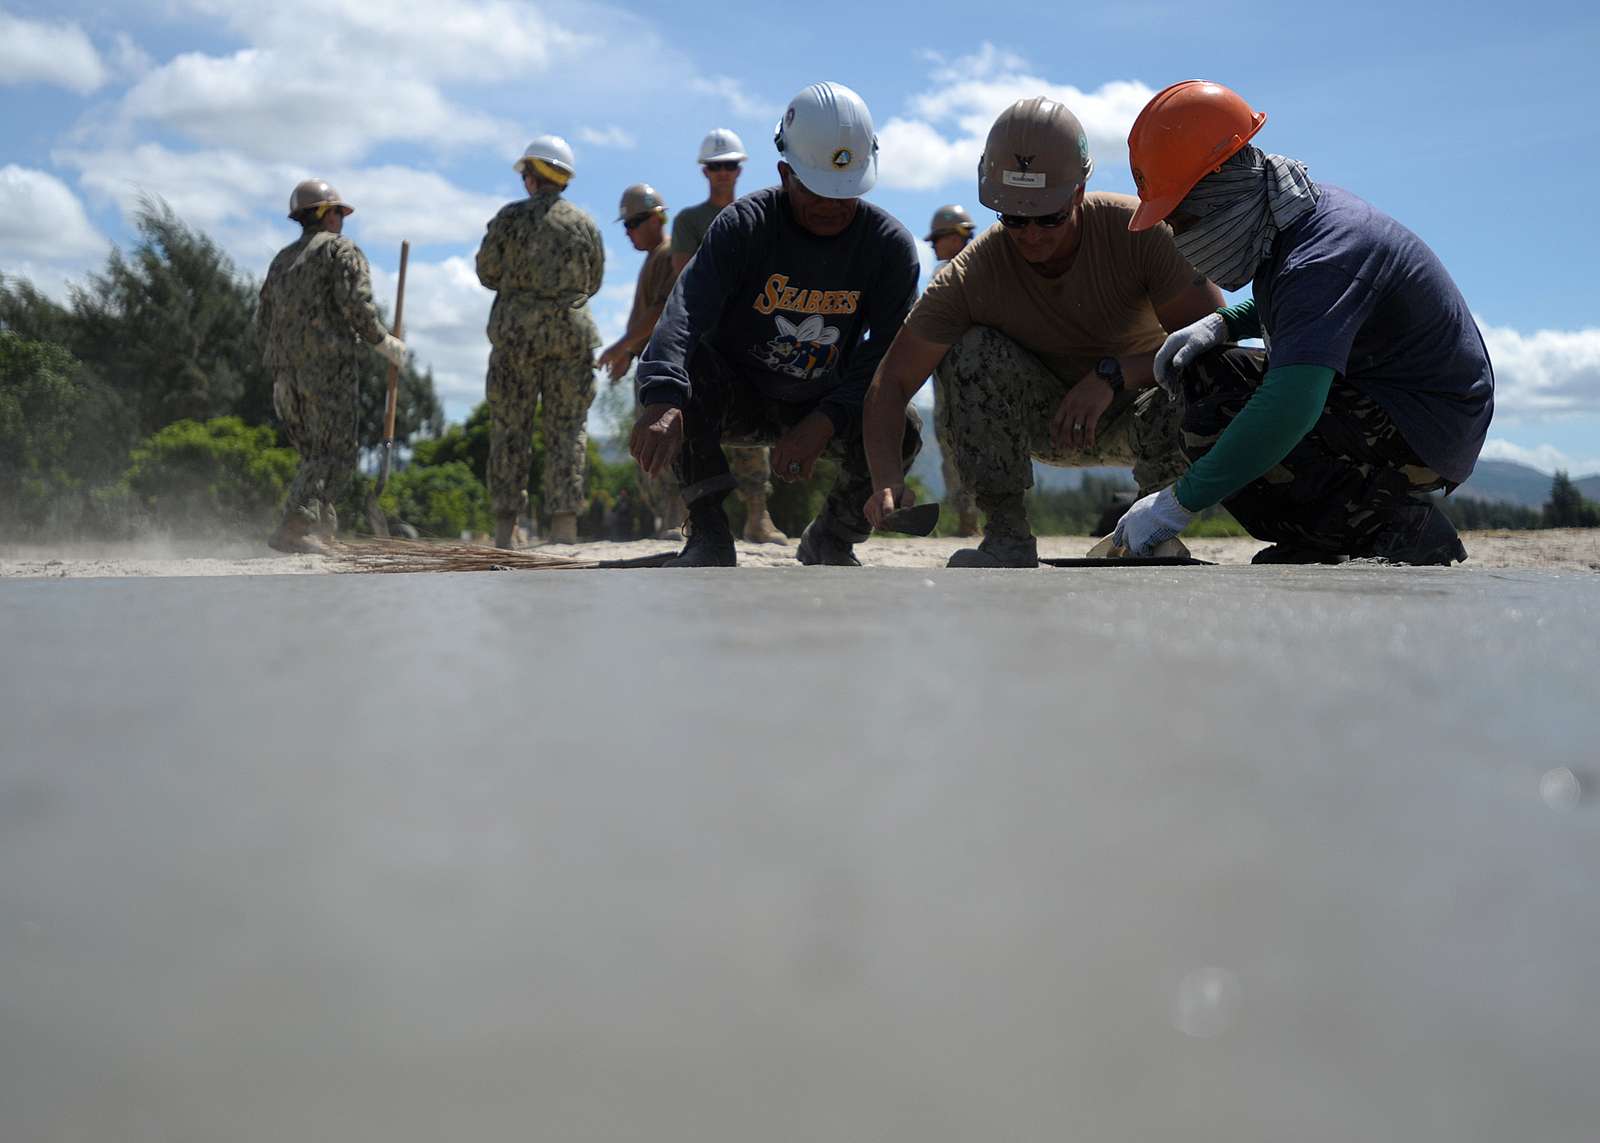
(1546, 458)
(612, 136)
(40, 217)
(221, 191)
(281, 105)
(740, 102)
(1549, 372)
(56, 54)
(447, 312)
(940, 141)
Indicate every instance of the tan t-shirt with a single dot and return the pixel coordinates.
(655, 283)
(1103, 306)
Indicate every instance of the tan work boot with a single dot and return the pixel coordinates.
(505, 532)
(758, 525)
(564, 528)
(967, 523)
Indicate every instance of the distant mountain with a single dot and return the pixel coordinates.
(1517, 483)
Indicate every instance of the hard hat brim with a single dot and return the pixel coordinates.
(837, 184)
(726, 157)
(1152, 211)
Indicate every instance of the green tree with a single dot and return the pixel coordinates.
(443, 500)
(198, 477)
(1567, 508)
(169, 327)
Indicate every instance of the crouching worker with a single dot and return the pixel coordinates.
(1041, 336)
(765, 338)
(1375, 388)
(317, 326)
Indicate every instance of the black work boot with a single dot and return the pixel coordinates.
(710, 538)
(1421, 535)
(823, 543)
(1008, 542)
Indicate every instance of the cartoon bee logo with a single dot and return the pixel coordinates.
(802, 350)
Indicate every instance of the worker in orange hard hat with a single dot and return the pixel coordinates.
(1374, 389)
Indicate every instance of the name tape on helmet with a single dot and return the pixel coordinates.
(1028, 180)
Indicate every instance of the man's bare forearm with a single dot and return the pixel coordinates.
(883, 425)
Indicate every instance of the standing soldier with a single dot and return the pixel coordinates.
(721, 159)
(544, 259)
(315, 314)
(949, 232)
(644, 216)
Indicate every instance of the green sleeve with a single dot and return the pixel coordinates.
(1271, 423)
(1242, 319)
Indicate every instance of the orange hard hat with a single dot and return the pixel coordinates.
(1186, 132)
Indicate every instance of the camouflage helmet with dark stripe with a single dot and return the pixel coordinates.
(952, 219)
(640, 198)
(314, 193)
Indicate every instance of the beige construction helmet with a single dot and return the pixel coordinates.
(952, 219)
(315, 194)
(640, 198)
(1035, 159)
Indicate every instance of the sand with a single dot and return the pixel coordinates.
(1558, 549)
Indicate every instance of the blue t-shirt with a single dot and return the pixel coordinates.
(1349, 288)
(790, 311)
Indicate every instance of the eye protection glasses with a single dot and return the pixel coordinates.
(1043, 221)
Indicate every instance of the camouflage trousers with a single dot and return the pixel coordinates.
(957, 494)
(725, 409)
(318, 411)
(516, 388)
(751, 467)
(1001, 399)
(1337, 489)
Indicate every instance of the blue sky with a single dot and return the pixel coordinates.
(1477, 126)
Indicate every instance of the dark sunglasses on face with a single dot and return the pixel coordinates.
(637, 221)
(721, 166)
(1045, 221)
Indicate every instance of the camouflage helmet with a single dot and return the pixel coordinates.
(952, 219)
(640, 198)
(314, 193)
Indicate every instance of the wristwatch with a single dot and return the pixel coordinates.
(1109, 370)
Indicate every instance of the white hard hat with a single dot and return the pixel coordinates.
(826, 136)
(550, 149)
(722, 146)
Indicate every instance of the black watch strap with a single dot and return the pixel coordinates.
(1109, 370)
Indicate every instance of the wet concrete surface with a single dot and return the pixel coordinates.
(1231, 854)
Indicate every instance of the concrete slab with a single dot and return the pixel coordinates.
(1231, 853)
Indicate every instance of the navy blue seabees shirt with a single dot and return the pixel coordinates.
(789, 311)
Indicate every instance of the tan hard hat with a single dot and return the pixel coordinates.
(1035, 159)
(314, 193)
(952, 219)
(640, 198)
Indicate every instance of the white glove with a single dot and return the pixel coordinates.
(1181, 349)
(1151, 521)
(392, 350)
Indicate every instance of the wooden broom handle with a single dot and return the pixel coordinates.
(392, 399)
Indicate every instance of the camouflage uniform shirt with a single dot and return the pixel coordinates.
(316, 305)
(544, 259)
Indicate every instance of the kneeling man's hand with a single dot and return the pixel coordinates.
(796, 453)
(1151, 521)
(1078, 415)
(657, 437)
(886, 500)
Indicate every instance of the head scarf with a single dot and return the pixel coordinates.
(1241, 209)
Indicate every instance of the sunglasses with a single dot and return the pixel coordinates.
(721, 166)
(1044, 221)
(637, 220)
